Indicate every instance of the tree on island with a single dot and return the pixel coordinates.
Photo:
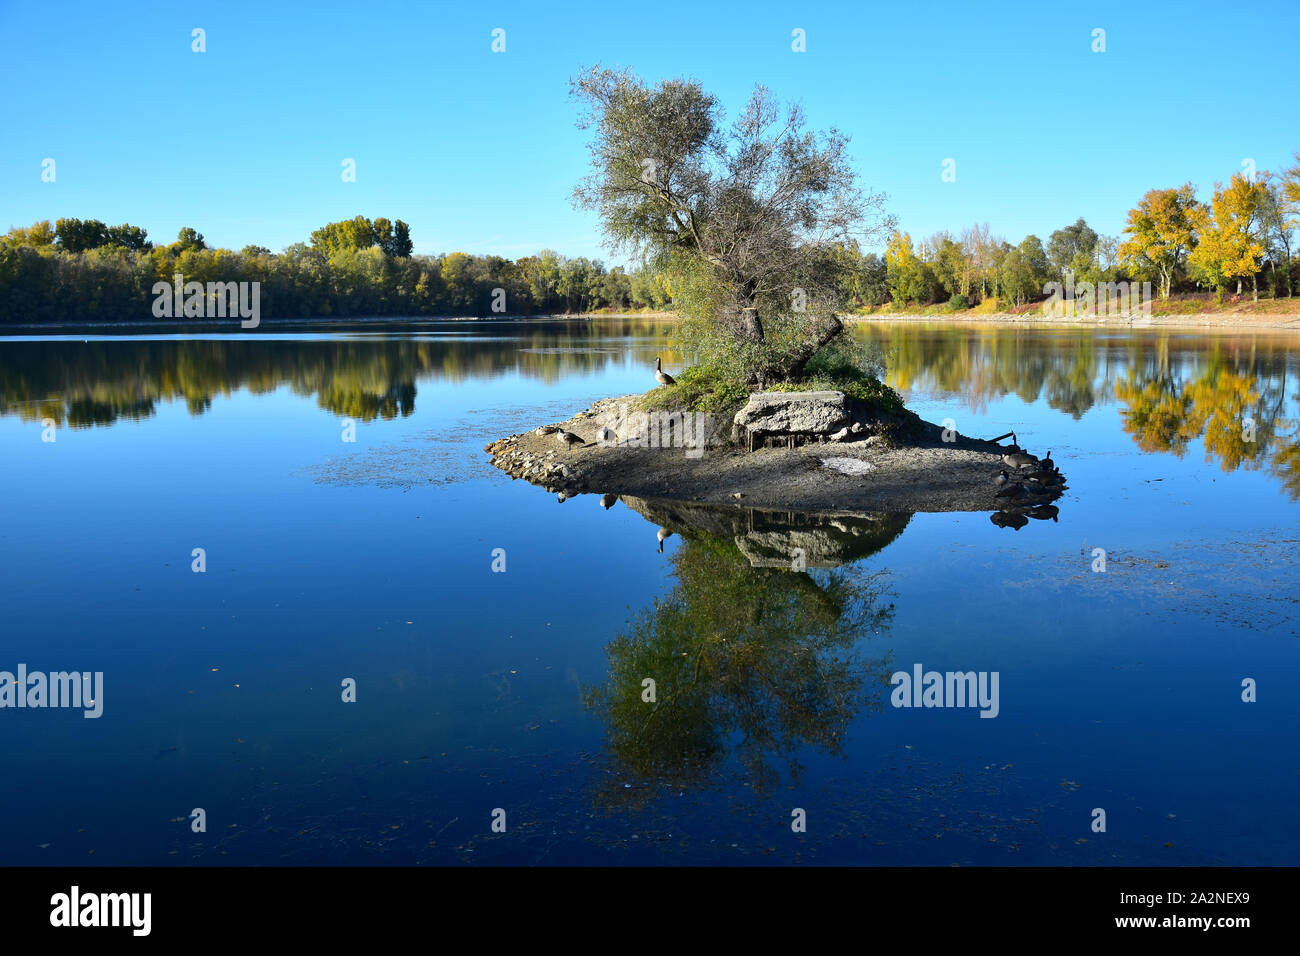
(750, 220)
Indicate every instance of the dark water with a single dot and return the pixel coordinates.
(522, 691)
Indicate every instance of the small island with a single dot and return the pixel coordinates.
(781, 410)
(869, 463)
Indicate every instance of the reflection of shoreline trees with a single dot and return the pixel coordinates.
(83, 384)
(1175, 388)
(988, 363)
(1241, 417)
(750, 663)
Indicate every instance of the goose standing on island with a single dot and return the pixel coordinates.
(1019, 459)
(662, 377)
(568, 438)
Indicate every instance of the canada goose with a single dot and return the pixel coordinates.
(662, 377)
(1019, 459)
(607, 501)
(1002, 478)
(1048, 479)
(1047, 463)
(1014, 490)
(568, 438)
(1043, 512)
(662, 534)
(1009, 519)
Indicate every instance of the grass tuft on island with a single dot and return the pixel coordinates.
(702, 388)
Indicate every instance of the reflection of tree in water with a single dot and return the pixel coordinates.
(83, 384)
(751, 663)
(1156, 413)
(1174, 388)
(1069, 385)
(1239, 415)
(1285, 463)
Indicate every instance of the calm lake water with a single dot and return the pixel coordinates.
(522, 691)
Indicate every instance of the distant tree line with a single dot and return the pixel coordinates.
(78, 270)
(1244, 236)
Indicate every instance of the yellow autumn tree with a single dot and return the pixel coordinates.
(1231, 235)
(1291, 187)
(1161, 232)
(905, 269)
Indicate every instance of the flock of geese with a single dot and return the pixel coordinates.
(1044, 478)
(1026, 492)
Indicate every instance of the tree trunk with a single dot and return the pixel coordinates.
(805, 352)
(750, 324)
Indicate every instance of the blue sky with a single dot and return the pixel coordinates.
(478, 151)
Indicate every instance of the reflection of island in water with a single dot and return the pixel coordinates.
(752, 660)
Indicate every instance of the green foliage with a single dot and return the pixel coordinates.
(1072, 249)
(78, 235)
(82, 235)
(751, 664)
(1023, 271)
(189, 240)
(958, 302)
(853, 382)
(355, 233)
(721, 384)
(112, 274)
(699, 389)
(751, 219)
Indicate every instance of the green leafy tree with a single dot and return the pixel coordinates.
(128, 237)
(78, 235)
(189, 240)
(1072, 249)
(747, 215)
